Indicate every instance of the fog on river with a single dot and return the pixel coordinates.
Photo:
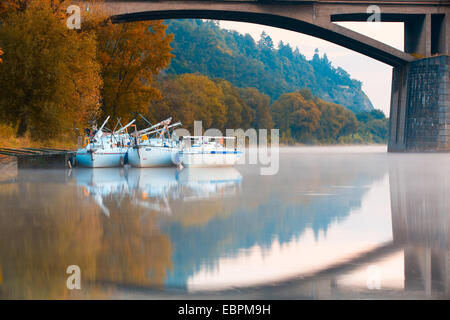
(334, 222)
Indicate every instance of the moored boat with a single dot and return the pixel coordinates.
(100, 158)
(204, 151)
(104, 150)
(154, 146)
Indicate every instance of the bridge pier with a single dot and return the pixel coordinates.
(420, 106)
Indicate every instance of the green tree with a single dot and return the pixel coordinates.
(202, 46)
(335, 121)
(373, 126)
(378, 128)
(265, 41)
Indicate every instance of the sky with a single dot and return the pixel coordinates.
(375, 76)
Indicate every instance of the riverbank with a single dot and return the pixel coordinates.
(8, 139)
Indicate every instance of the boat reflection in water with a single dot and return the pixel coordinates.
(209, 183)
(100, 183)
(155, 188)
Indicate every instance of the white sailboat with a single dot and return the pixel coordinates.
(104, 150)
(208, 152)
(150, 151)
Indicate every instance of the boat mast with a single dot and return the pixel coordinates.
(161, 129)
(123, 128)
(164, 122)
(99, 133)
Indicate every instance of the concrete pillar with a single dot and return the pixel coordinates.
(428, 105)
(420, 106)
(446, 34)
(440, 35)
(426, 37)
(417, 35)
(397, 124)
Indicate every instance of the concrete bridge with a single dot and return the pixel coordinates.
(420, 96)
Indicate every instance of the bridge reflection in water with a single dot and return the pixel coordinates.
(420, 197)
(314, 230)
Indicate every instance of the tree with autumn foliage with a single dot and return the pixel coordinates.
(130, 55)
(190, 97)
(54, 80)
(50, 78)
(295, 116)
(259, 103)
(239, 114)
(335, 121)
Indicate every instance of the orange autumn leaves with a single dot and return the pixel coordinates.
(54, 81)
(300, 116)
(130, 55)
(219, 104)
(49, 79)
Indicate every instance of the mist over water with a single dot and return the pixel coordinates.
(335, 222)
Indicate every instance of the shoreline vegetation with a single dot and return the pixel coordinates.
(8, 139)
(203, 46)
(55, 82)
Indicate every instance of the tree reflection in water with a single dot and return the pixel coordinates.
(47, 223)
(103, 220)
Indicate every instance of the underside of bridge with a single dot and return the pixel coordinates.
(420, 96)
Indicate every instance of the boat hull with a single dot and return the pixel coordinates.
(151, 156)
(100, 159)
(209, 159)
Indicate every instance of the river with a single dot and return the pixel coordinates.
(333, 223)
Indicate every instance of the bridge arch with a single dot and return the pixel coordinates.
(332, 32)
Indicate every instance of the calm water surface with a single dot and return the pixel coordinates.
(334, 223)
